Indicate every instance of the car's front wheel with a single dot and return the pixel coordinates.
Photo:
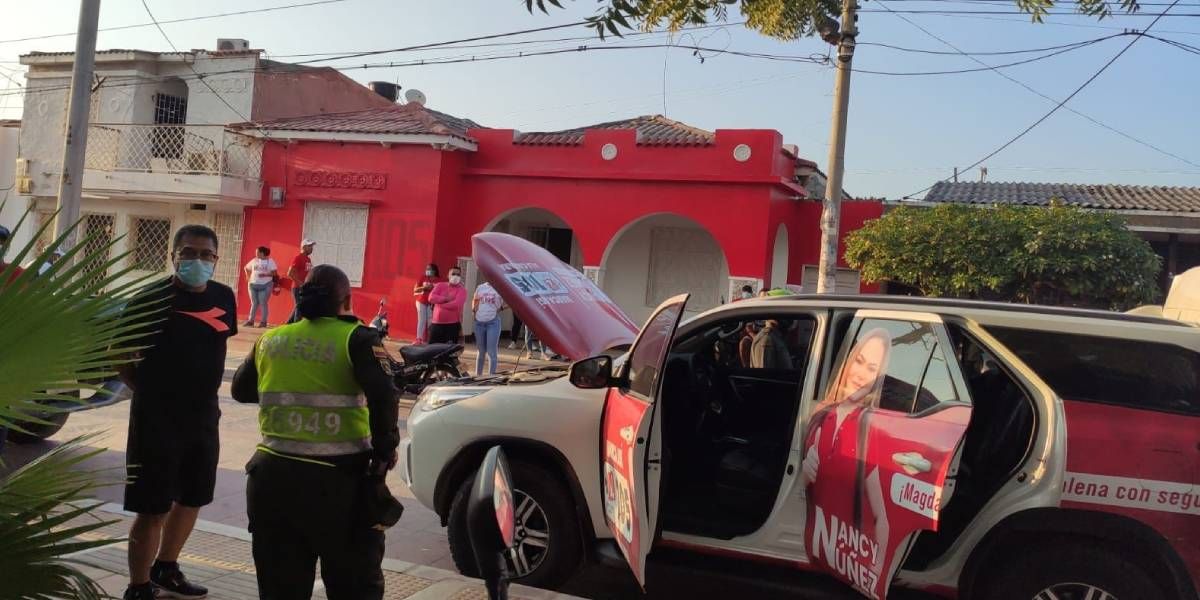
(1071, 571)
(548, 550)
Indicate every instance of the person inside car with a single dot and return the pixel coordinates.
(769, 350)
(845, 414)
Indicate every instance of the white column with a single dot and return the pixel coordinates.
(596, 274)
(470, 280)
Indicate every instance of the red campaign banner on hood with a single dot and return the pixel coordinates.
(562, 306)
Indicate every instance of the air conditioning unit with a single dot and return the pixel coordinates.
(232, 45)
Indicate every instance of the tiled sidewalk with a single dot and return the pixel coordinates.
(218, 557)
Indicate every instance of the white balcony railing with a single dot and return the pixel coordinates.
(182, 149)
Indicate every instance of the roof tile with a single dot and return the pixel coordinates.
(652, 130)
(1102, 196)
(411, 118)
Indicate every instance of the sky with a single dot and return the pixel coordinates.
(905, 132)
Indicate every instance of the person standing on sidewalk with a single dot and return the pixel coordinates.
(328, 413)
(424, 307)
(173, 446)
(298, 273)
(261, 273)
(448, 298)
(487, 305)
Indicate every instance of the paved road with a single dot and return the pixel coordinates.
(418, 538)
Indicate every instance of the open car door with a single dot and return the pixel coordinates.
(879, 444)
(630, 441)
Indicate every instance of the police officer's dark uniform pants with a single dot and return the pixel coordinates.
(301, 512)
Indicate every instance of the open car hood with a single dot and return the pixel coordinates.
(562, 306)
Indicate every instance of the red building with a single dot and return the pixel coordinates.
(647, 207)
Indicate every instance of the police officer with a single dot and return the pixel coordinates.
(328, 415)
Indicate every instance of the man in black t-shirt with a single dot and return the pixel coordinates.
(173, 444)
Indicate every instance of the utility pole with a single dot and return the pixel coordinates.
(70, 185)
(830, 216)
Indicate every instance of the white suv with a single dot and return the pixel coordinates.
(882, 440)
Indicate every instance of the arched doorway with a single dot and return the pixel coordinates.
(659, 256)
(779, 258)
(543, 228)
(539, 226)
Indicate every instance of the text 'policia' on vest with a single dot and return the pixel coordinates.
(311, 404)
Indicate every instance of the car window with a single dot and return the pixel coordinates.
(895, 365)
(649, 351)
(1134, 373)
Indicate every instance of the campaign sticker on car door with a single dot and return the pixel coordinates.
(618, 502)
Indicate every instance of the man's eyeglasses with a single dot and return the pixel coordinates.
(193, 254)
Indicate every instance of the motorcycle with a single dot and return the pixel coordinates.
(419, 365)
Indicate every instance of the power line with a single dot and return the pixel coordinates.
(1044, 96)
(1020, 12)
(179, 20)
(982, 53)
(1095, 76)
(192, 67)
(985, 67)
(1027, 23)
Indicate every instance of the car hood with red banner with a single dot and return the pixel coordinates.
(562, 306)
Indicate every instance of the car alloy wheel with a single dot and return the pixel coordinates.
(1074, 591)
(531, 538)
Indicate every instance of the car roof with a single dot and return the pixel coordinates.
(965, 307)
(996, 314)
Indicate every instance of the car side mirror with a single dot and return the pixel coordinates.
(491, 522)
(592, 373)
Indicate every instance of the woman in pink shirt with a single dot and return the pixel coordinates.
(448, 299)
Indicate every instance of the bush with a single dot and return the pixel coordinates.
(1053, 255)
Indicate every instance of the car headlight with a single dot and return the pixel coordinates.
(434, 398)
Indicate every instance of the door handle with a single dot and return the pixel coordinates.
(912, 462)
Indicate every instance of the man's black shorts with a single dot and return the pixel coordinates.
(167, 465)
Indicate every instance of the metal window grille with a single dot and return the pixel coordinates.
(150, 241)
(168, 142)
(228, 226)
(98, 233)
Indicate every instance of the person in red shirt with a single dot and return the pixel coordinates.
(424, 307)
(448, 298)
(15, 271)
(298, 272)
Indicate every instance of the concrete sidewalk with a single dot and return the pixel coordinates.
(218, 557)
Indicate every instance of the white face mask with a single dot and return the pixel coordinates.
(455, 279)
(747, 295)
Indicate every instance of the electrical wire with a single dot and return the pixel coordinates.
(976, 70)
(1034, 91)
(1021, 12)
(179, 20)
(192, 68)
(1043, 118)
(1027, 22)
(983, 53)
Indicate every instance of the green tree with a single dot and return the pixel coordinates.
(1053, 255)
(782, 19)
(63, 330)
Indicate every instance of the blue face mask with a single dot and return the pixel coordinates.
(194, 273)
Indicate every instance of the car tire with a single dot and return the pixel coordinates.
(1071, 570)
(563, 553)
(36, 432)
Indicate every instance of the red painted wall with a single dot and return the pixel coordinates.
(434, 201)
(400, 233)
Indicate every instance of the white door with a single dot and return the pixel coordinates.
(340, 231)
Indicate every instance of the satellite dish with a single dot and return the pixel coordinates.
(415, 97)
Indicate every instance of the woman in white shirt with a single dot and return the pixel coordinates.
(487, 305)
(261, 272)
